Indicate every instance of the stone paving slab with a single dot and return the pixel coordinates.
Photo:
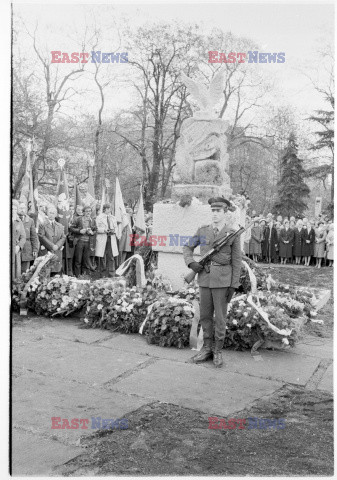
(138, 344)
(314, 347)
(274, 365)
(327, 381)
(73, 360)
(67, 329)
(36, 456)
(277, 365)
(38, 398)
(213, 391)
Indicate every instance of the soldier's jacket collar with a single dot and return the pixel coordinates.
(222, 233)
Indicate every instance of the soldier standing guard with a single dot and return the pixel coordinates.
(217, 281)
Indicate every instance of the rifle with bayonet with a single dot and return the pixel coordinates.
(217, 245)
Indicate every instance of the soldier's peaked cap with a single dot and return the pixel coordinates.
(218, 202)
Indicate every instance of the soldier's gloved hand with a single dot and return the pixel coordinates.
(196, 267)
(230, 293)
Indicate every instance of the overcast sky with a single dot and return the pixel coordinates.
(297, 30)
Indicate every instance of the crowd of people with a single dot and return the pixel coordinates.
(290, 240)
(91, 243)
(100, 243)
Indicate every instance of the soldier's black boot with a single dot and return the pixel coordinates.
(217, 359)
(204, 354)
(217, 355)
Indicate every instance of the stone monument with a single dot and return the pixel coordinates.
(200, 173)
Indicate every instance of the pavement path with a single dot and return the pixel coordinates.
(62, 371)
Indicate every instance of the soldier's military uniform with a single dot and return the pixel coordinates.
(214, 281)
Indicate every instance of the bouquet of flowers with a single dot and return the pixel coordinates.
(61, 296)
(245, 326)
(19, 284)
(168, 323)
(119, 308)
(245, 281)
(190, 292)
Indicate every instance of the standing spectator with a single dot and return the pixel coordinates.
(31, 246)
(308, 241)
(256, 239)
(270, 242)
(106, 243)
(18, 240)
(263, 229)
(286, 241)
(297, 249)
(84, 228)
(319, 244)
(52, 238)
(330, 244)
(78, 213)
(247, 237)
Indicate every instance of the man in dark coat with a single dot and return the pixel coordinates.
(84, 229)
(217, 281)
(286, 241)
(308, 241)
(270, 241)
(298, 242)
(52, 237)
(31, 247)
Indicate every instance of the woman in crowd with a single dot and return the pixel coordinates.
(297, 249)
(286, 242)
(270, 242)
(247, 237)
(255, 241)
(308, 241)
(292, 224)
(319, 247)
(330, 244)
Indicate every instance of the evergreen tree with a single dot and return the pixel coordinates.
(292, 190)
(325, 142)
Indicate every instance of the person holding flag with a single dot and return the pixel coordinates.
(124, 232)
(63, 215)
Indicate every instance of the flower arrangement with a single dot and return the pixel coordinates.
(261, 277)
(61, 296)
(119, 308)
(189, 293)
(245, 326)
(19, 284)
(169, 323)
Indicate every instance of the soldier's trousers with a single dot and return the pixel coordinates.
(213, 303)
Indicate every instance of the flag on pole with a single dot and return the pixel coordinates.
(63, 212)
(77, 195)
(123, 224)
(120, 211)
(27, 192)
(140, 216)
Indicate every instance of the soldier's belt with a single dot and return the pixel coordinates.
(216, 264)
